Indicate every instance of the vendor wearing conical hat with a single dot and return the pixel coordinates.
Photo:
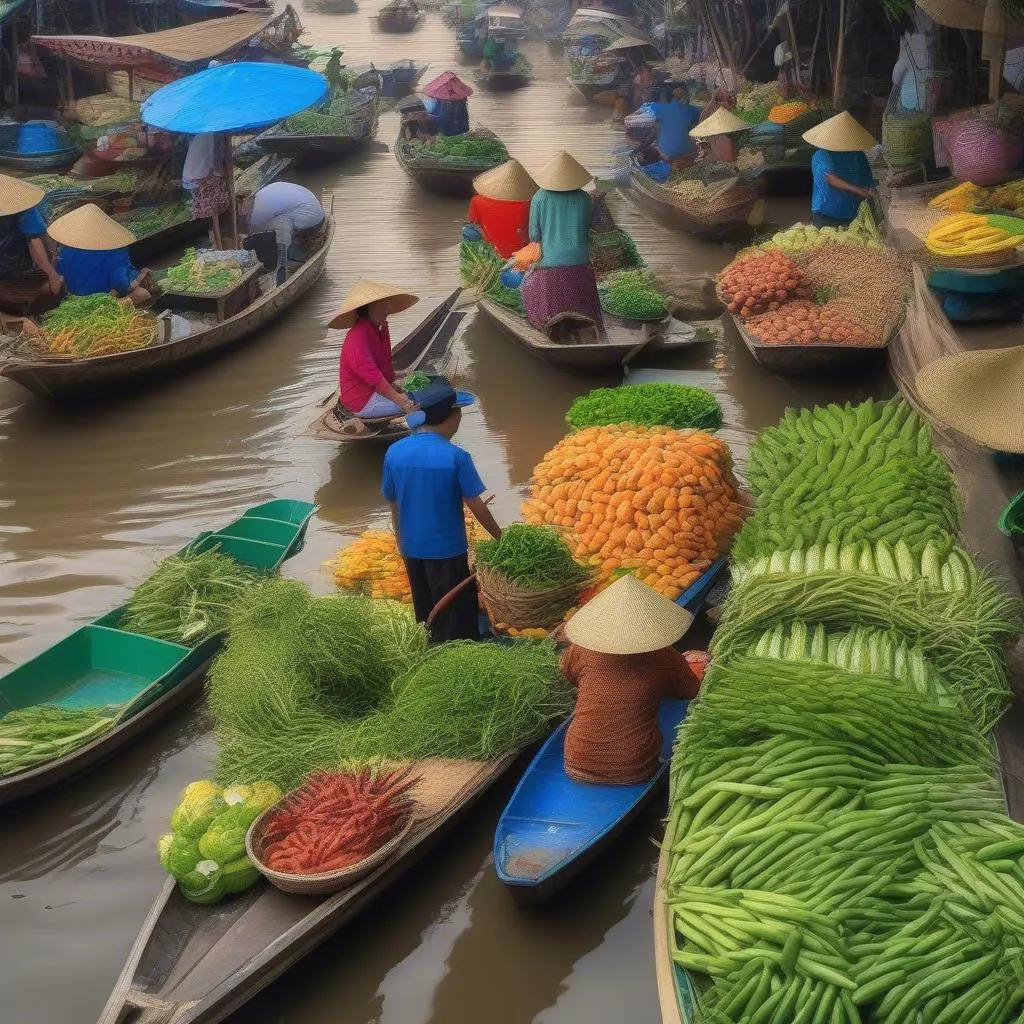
(842, 175)
(94, 256)
(980, 394)
(29, 281)
(718, 132)
(501, 206)
(562, 283)
(367, 376)
(623, 663)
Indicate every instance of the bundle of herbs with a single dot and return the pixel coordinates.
(535, 557)
(44, 732)
(189, 597)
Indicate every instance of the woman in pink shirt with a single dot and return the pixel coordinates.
(366, 377)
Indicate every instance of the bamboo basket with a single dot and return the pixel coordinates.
(328, 881)
(509, 604)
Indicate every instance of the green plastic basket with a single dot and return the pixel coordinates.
(288, 510)
(256, 554)
(269, 531)
(1011, 522)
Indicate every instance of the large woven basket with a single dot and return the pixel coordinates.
(508, 604)
(329, 881)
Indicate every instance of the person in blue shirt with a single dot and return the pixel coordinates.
(676, 115)
(427, 481)
(28, 278)
(94, 256)
(841, 172)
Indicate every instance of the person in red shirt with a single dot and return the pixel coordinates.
(366, 377)
(501, 207)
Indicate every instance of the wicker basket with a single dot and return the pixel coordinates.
(977, 150)
(329, 881)
(508, 604)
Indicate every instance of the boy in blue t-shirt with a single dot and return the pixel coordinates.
(427, 480)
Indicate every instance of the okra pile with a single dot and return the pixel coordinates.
(839, 847)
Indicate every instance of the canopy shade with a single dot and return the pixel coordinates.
(187, 45)
(234, 98)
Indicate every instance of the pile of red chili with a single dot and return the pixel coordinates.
(336, 819)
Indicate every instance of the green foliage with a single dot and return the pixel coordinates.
(178, 854)
(199, 804)
(647, 405)
(224, 840)
(632, 294)
(204, 884)
(532, 556)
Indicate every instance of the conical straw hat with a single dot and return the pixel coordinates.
(721, 122)
(981, 394)
(509, 181)
(17, 196)
(365, 292)
(563, 173)
(89, 227)
(447, 86)
(840, 134)
(628, 618)
(631, 43)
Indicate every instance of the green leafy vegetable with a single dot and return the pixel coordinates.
(647, 405)
(416, 381)
(34, 735)
(533, 556)
(632, 294)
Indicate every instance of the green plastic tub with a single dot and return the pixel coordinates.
(1011, 522)
(93, 667)
(269, 531)
(288, 510)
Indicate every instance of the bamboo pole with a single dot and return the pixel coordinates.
(837, 74)
(231, 189)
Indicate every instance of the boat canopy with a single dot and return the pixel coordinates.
(590, 22)
(189, 46)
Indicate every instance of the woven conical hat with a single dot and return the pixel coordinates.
(631, 43)
(563, 173)
(842, 133)
(721, 122)
(17, 196)
(509, 181)
(981, 394)
(365, 292)
(628, 618)
(89, 227)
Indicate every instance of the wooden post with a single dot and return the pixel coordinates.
(15, 95)
(131, 84)
(231, 189)
(837, 73)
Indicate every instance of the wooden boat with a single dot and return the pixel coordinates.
(425, 348)
(198, 965)
(676, 995)
(621, 342)
(515, 77)
(812, 359)
(403, 74)
(63, 378)
(553, 827)
(447, 180)
(590, 86)
(101, 664)
(399, 17)
(360, 124)
(734, 214)
(33, 163)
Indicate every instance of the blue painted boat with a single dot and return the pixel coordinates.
(552, 826)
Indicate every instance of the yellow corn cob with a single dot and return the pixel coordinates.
(989, 234)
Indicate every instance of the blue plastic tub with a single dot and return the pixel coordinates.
(39, 137)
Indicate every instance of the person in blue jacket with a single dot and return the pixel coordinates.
(94, 256)
(841, 172)
(28, 279)
(676, 115)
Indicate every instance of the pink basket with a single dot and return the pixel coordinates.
(977, 150)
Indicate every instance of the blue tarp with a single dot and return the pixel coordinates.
(234, 98)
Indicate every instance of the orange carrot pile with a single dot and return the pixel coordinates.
(336, 819)
(761, 281)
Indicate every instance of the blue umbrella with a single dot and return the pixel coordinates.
(234, 98)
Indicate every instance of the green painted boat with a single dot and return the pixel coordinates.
(139, 680)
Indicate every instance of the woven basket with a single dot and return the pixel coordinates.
(1004, 258)
(978, 150)
(907, 138)
(329, 881)
(511, 605)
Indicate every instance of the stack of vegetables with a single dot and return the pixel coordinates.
(790, 110)
(44, 732)
(838, 846)
(473, 149)
(310, 683)
(148, 220)
(659, 502)
(633, 295)
(480, 268)
(83, 326)
(861, 231)
(836, 290)
(205, 849)
(206, 271)
(647, 405)
(969, 239)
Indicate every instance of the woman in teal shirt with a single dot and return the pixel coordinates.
(841, 173)
(562, 284)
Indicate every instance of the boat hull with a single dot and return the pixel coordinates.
(310, 148)
(456, 182)
(32, 162)
(502, 81)
(105, 375)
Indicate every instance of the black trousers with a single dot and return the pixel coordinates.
(432, 578)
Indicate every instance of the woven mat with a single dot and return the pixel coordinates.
(442, 782)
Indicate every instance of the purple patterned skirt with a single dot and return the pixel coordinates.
(549, 292)
(211, 198)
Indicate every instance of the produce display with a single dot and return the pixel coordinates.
(310, 683)
(804, 323)
(647, 405)
(202, 273)
(416, 381)
(469, 150)
(205, 849)
(33, 735)
(334, 820)
(480, 267)
(862, 231)
(123, 181)
(633, 295)
(790, 110)
(959, 199)
(189, 597)
(534, 557)
(147, 220)
(758, 281)
(656, 501)
(839, 848)
(83, 326)
(970, 236)
(1003, 197)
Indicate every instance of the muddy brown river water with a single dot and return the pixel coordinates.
(89, 501)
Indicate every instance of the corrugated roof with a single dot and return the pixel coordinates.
(188, 44)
